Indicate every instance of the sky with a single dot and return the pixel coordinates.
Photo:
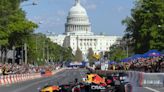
(105, 15)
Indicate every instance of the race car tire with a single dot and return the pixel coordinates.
(120, 88)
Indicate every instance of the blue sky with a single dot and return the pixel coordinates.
(105, 15)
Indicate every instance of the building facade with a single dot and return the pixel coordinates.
(78, 33)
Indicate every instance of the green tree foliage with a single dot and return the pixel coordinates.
(14, 27)
(41, 48)
(117, 53)
(15, 30)
(146, 25)
(68, 56)
(90, 55)
(78, 55)
(5, 12)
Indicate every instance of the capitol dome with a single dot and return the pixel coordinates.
(77, 9)
(77, 19)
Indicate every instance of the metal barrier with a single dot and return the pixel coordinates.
(137, 78)
(10, 79)
(153, 79)
(16, 78)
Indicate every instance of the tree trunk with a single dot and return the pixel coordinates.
(13, 59)
(5, 55)
(2, 54)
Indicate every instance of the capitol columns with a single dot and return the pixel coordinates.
(77, 38)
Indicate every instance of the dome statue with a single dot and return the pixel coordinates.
(77, 9)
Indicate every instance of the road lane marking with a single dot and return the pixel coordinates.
(151, 89)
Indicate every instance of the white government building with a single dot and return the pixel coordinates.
(78, 33)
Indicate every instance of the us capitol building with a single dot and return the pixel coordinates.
(78, 33)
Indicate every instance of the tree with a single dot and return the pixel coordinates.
(14, 27)
(90, 55)
(67, 56)
(78, 55)
(119, 50)
(146, 25)
(117, 54)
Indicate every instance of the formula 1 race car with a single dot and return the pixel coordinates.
(116, 82)
(50, 88)
(93, 83)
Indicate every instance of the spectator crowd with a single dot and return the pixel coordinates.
(151, 64)
(8, 69)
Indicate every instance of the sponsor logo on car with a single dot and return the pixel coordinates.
(95, 87)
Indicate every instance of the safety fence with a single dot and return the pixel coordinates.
(137, 78)
(11, 79)
(153, 79)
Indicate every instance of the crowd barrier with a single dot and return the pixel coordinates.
(137, 78)
(153, 79)
(11, 79)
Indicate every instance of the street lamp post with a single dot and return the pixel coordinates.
(48, 52)
(125, 46)
(44, 50)
(36, 42)
(127, 50)
(25, 44)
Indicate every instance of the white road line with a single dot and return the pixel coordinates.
(151, 89)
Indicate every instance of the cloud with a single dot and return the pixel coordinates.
(61, 13)
(120, 9)
(89, 5)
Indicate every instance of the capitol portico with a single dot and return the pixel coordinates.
(78, 33)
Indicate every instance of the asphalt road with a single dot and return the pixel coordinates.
(63, 77)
